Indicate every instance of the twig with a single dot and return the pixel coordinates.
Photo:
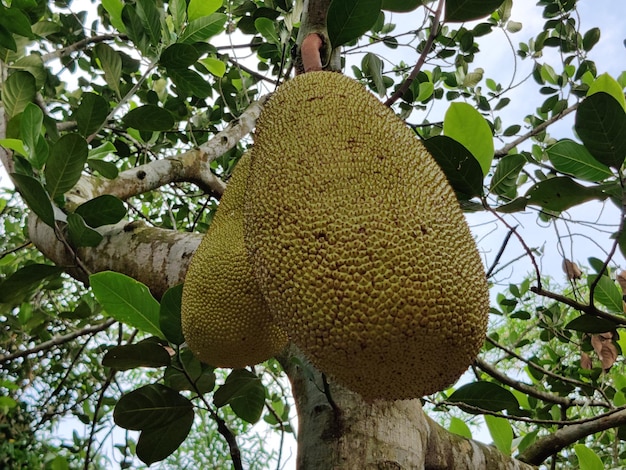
(15, 249)
(80, 45)
(536, 130)
(500, 252)
(532, 391)
(58, 340)
(434, 30)
(94, 421)
(588, 309)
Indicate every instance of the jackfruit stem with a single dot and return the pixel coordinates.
(310, 51)
(313, 21)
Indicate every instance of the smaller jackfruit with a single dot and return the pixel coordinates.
(225, 319)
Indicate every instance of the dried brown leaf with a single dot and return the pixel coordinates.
(585, 361)
(571, 269)
(605, 349)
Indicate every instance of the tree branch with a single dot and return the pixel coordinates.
(434, 30)
(192, 166)
(157, 257)
(80, 45)
(536, 130)
(552, 443)
(58, 340)
(532, 391)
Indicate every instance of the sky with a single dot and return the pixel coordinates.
(499, 63)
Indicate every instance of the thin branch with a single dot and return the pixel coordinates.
(79, 46)
(535, 365)
(15, 249)
(434, 30)
(94, 421)
(505, 242)
(588, 309)
(532, 391)
(253, 73)
(536, 130)
(58, 340)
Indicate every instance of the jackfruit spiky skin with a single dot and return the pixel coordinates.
(225, 319)
(359, 244)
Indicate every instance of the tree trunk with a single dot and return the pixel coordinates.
(338, 430)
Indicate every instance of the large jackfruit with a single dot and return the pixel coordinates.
(358, 242)
(225, 319)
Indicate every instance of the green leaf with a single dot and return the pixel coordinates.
(178, 10)
(106, 169)
(458, 426)
(245, 394)
(215, 66)
(591, 324)
(200, 8)
(591, 38)
(14, 144)
(15, 21)
(267, 28)
(35, 197)
(504, 180)
(187, 368)
(25, 279)
(6, 39)
(573, 159)
(467, 126)
(486, 396)
(130, 356)
(401, 5)
(149, 117)
(155, 445)
(80, 234)
(179, 56)
(587, 458)
(347, 20)
(127, 300)
(189, 82)
(501, 433)
(102, 210)
(150, 407)
(111, 64)
(91, 113)
(65, 163)
(561, 193)
(607, 84)
(373, 67)
(30, 131)
(607, 293)
(169, 315)
(601, 125)
(18, 90)
(150, 17)
(467, 10)
(114, 9)
(461, 168)
(203, 28)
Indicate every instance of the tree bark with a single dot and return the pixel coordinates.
(338, 430)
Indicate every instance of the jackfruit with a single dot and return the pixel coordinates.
(358, 243)
(225, 320)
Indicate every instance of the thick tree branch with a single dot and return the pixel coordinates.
(551, 444)
(192, 166)
(156, 257)
(313, 21)
(58, 340)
